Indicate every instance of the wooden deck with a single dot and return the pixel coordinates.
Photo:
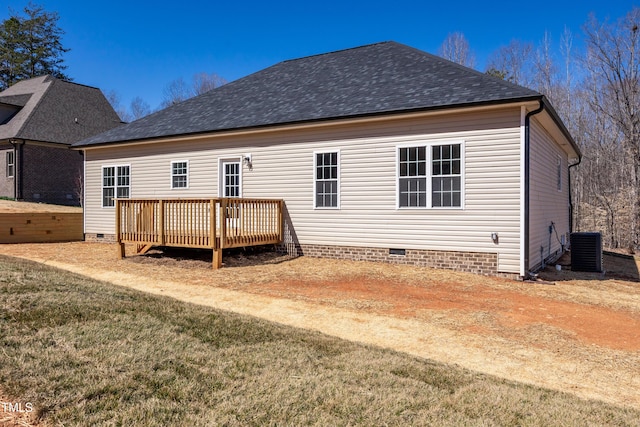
(214, 224)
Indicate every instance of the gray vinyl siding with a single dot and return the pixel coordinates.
(368, 215)
(547, 204)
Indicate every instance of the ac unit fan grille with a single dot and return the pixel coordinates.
(586, 252)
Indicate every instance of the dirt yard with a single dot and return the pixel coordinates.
(13, 206)
(576, 332)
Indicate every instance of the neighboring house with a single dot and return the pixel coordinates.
(39, 120)
(380, 152)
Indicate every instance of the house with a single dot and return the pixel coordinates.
(381, 152)
(39, 120)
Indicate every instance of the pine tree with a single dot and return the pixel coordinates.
(30, 46)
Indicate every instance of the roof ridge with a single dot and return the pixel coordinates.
(336, 51)
(75, 83)
(470, 69)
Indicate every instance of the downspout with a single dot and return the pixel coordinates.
(527, 160)
(570, 201)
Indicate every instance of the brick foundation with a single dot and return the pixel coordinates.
(471, 262)
(100, 238)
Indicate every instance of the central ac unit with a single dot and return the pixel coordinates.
(586, 252)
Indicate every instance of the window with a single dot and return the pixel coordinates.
(179, 174)
(11, 163)
(445, 162)
(326, 180)
(559, 174)
(436, 186)
(115, 184)
(413, 177)
(231, 179)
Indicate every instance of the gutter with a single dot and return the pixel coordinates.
(527, 160)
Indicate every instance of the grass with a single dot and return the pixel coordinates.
(88, 353)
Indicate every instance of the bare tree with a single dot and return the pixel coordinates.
(139, 108)
(566, 49)
(203, 82)
(545, 78)
(456, 48)
(175, 92)
(78, 181)
(178, 90)
(114, 99)
(513, 62)
(613, 61)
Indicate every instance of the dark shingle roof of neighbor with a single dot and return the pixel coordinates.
(56, 111)
(15, 100)
(375, 79)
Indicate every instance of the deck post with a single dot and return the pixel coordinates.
(217, 251)
(161, 222)
(118, 229)
(223, 222)
(281, 220)
(217, 258)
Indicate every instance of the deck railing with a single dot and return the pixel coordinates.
(198, 223)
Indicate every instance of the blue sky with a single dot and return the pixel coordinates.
(137, 47)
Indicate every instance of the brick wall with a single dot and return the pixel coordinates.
(51, 175)
(472, 262)
(100, 238)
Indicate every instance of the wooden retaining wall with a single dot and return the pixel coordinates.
(40, 227)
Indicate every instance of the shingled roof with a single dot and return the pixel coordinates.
(375, 79)
(47, 109)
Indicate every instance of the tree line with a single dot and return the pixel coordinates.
(595, 90)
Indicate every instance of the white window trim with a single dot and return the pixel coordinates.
(221, 161)
(13, 163)
(315, 153)
(429, 153)
(115, 192)
(173, 162)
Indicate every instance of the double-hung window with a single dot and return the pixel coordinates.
(430, 176)
(116, 183)
(179, 174)
(326, 180)
(413, 177)
(11, 164)
(446, 176)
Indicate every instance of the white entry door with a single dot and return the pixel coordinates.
(231, 186)
(230, 178)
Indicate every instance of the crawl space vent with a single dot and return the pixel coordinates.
(586, 252)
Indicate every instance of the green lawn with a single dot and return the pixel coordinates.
(88, 353)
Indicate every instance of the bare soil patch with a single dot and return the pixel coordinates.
(14, 206)
(580, 335)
